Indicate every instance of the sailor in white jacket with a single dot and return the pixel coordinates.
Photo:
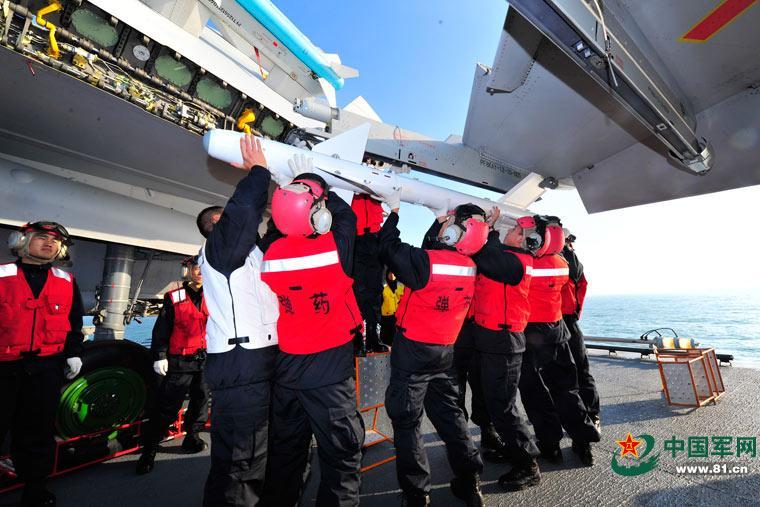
(241, 336)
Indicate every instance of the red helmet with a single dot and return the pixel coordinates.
(469, 231)
(299, 209)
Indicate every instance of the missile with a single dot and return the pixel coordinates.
(339, 161)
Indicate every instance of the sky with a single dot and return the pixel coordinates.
(416, 61)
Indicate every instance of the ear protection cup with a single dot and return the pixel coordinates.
(533, 241)
(451, 235)
(16, 241)
(63, 253)
(321, 218)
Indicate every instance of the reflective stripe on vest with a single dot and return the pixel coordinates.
(33, 325)
(189, 330)
(318, 310)
(550, 274)
(435, 313)
(299, 263)
(499, 306)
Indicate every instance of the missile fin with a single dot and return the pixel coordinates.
(348, 146)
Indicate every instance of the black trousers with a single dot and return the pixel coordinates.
(368, 283)
(586, 382)
(407, 395)
(171, 395)
(549, 391)
(500, 374)
(467, 365)
(240, 396)
(387, 329)
(29, 393)
(329, 413)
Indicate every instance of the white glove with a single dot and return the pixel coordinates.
(392, 198)
(75, 366)
(161, 367)
(299, 164)
(440, 212)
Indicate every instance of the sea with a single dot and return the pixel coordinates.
(729, 322)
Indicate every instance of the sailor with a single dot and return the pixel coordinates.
(179, 351)
(467, 368)
(549, 382)
(368, 271)
(393, 290)
(241, 336)
(41, 320)
(440, 282)
(573, 295)
(308, 257)
(500, 314)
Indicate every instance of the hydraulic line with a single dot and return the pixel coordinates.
(54, 6)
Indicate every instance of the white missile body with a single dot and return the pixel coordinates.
(339, 161)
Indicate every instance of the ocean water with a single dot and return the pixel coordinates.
(728, 322)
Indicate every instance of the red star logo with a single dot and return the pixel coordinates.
(629, 446)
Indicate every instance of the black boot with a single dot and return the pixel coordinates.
(551, 452)
(597, 422)
(193, 444)
(146, 461)
(490, 439)
(583, 450)
(522, 476)
(415, 499)
(467, 489)
(35, 495)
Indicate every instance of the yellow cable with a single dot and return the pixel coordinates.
(54, 6)
(245, 118)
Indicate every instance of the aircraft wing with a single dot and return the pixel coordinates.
(636, 101)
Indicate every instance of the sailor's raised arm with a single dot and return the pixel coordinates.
(410, 264)
(343, 228)
(236, 232)
(498, 263)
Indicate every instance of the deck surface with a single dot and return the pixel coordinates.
(632, 401)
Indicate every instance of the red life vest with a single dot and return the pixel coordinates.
(369, 214)
(573, 295)
(500, 306)
(189, 331)
(318, 310)
(435, 313)
(29, 324)
(550, 274)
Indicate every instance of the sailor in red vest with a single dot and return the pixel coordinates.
(439, 284)
(368, 271)
(40, 325)
(500, 311)
(573, 295)
(308, 257)
(179, 351)
(467, 368)
(549, 383)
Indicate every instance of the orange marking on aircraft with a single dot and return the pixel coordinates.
(720, 17)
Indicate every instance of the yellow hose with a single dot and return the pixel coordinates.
(54, 6)
(245, 118)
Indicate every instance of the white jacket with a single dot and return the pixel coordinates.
(242, 309)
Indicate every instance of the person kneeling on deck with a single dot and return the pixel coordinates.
(308, 254)
(500, 313)
(549, 382)
(241, 336)
(179, 351)
(41, 320)
(440, 282)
